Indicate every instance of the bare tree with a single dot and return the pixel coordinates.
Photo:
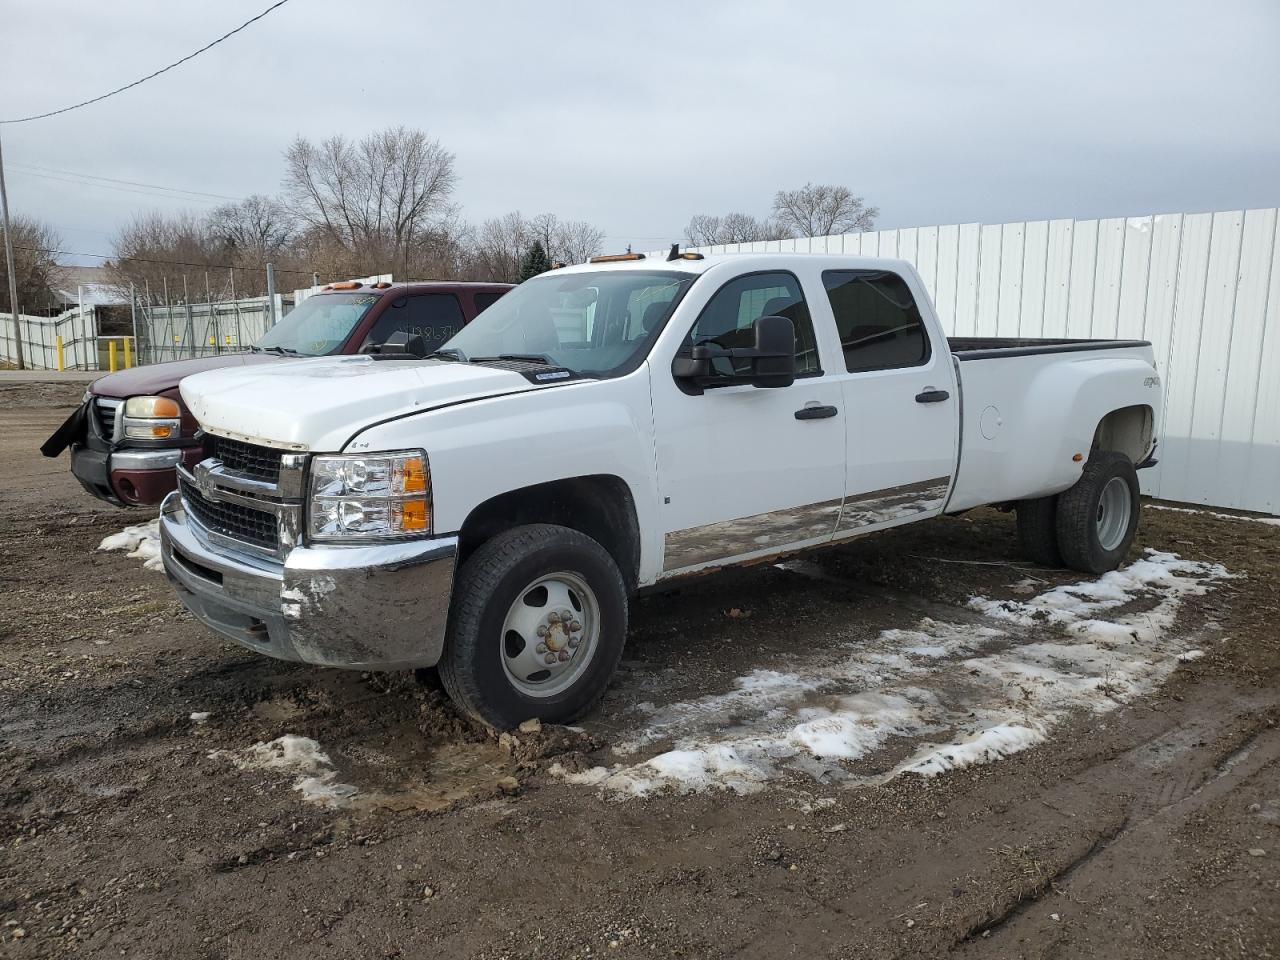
(35, 265)
(155, 249)
(567, 241)
(257, 227)
(498, 247)
(706, 229)
(374, 197)
(819, 210)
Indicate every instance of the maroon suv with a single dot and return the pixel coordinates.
(132, 429)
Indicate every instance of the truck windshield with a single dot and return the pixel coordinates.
(599, 323)
(319, 325)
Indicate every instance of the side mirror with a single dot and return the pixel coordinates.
(399, 345)
(775, 362)
(773, 358)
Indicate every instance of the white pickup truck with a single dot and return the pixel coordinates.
(617, 425)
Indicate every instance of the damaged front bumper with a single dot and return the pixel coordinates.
(378, 607)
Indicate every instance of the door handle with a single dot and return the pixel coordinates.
(931, 395)
(816, 412)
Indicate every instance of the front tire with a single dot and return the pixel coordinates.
(1098, 517)
(537, 627)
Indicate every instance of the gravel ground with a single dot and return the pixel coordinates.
(138, 819)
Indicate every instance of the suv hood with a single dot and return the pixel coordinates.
(319, 404)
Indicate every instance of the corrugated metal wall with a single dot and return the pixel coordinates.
(1204, 288)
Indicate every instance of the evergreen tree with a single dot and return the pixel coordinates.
(535, 262)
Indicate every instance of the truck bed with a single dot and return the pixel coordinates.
(987, 348)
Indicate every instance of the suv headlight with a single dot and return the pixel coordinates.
(358, 498)
(151, 418)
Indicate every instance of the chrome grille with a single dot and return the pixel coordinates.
(248, 459)
(255, 527)
(104, 411)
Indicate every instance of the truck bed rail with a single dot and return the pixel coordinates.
(987, 348)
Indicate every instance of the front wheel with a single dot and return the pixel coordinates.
(1098, 517)
(537, 627)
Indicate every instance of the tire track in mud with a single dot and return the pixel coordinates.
(1187, 779)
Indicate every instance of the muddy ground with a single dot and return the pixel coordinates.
(128, 828)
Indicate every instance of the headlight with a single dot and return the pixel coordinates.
(370, 497)
(151, 418)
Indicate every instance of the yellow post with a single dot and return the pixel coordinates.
(61, 366)
(111, 355)
(128, 352)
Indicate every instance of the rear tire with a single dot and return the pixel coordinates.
(537, 627)
(1098, 517)
(1038, 530)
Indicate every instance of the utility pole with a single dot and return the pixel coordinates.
(271, 295)
(13, 276)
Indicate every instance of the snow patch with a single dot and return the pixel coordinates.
(953, 694)
(1000, 740)
(1271, 521)
(314, 776)
(141, 542)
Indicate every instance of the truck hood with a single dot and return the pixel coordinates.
(158, 377)
(319, 404)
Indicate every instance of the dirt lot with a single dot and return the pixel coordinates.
(1142, 818)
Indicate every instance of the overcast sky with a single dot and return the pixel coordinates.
(636, 116)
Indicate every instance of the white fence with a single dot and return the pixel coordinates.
(1204, 288)
(185, 330)
(40, 338)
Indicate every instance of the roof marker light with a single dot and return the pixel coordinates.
(616, 258)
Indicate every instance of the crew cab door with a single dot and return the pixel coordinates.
(743, 469)
(899, 398)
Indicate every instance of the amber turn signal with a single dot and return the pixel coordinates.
(413, 515)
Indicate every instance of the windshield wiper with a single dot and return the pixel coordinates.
(283, 351)
(541, 358)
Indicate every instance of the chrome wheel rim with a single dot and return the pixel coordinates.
(550, 635)
(1114, 509)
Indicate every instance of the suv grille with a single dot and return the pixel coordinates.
(251, 460)
(232, 520)
(105, 411)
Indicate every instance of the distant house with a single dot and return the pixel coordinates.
(88, 285)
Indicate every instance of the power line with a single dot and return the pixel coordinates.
(150, 76)
(36, 170)
(123, 189)
(175, 263)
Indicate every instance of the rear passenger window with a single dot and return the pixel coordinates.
(484, 301)
(729, 317)
(879, 323)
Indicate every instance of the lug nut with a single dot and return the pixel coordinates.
(553, 617)
(550, 658)
(542, 630)
(575, 626)
(542, 648)
(564, 656)
(573, 642)
(566, 615)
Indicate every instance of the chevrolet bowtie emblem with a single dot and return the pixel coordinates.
(204, 482)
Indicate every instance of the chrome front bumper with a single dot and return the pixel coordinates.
(380, 607)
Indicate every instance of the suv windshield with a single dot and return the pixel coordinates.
(599, 323)
(319, 325)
